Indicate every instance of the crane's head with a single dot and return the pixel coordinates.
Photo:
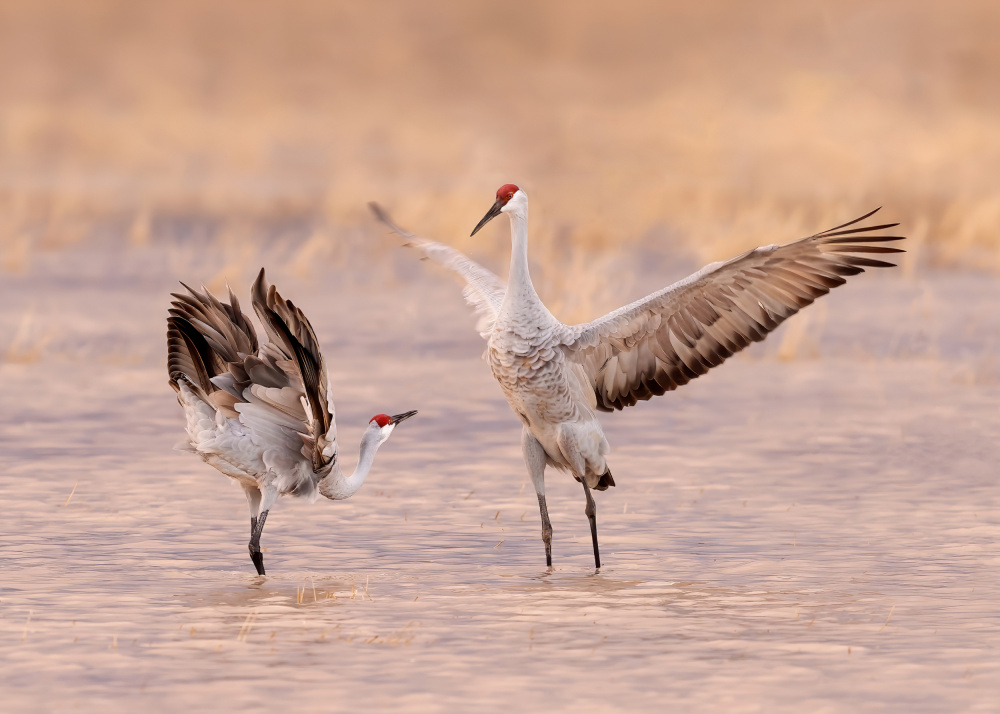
(505, 194)
(384, 424)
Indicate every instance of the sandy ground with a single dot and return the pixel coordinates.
(812, 527)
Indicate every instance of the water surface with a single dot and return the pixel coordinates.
(817, 533)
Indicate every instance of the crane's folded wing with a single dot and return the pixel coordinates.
(676, 334)
(484, 291)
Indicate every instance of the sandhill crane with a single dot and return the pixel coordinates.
(557, 377)
(261, 414)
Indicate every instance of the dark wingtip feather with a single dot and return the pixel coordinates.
(850, 223)
(853, 231)
(383, 216)
(379, 212)
(188, 288)
(865, 239)
(861, 248)
(866, 262)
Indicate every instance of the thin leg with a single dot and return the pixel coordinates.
(262, 498)
(255, 555)
(253, 501)
(534, 458)
(546, 529)
(591, 512)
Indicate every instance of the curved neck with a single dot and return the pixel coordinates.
(520, 291)
(336, 486)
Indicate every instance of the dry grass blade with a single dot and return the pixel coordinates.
(888, 618)
(70, 497)
(248, 623)
(24, 635)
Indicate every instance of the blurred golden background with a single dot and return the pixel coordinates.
(718, 125)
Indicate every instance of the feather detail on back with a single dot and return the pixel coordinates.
(677, 334)
(484, 291)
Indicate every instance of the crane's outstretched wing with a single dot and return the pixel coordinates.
(676, 334)
(277, 390)
(483, 289)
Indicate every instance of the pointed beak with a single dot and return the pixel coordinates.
(401, 417)
(490, 215)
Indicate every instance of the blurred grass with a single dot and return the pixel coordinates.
(719, 125)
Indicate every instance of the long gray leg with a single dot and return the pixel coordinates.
(255, 555)
(262, 498)
(591, 512)
(253, 502)
(258, 561)
(534, 458)
(546, 529)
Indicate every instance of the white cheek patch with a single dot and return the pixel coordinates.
(386, 430)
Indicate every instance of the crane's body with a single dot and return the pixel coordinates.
(556, 377)
(549, 394)
(260, 413)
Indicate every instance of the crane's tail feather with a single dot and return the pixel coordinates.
(607, 480)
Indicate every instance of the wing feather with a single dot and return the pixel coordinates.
(484, 291)
(699, 322)
(203, 337)
(279, 390)
(294, 383)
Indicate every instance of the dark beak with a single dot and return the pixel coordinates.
(402, 417)
(490, 215)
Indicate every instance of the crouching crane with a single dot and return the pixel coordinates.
(261, 413)
(557, 377)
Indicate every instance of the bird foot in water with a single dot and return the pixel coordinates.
(258, 559)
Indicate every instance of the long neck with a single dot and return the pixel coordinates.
(520, 291)
(336, 486)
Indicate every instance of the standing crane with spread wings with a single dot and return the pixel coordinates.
(261, 413)
(557, 377)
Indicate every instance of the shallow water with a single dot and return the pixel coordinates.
(814, 534)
